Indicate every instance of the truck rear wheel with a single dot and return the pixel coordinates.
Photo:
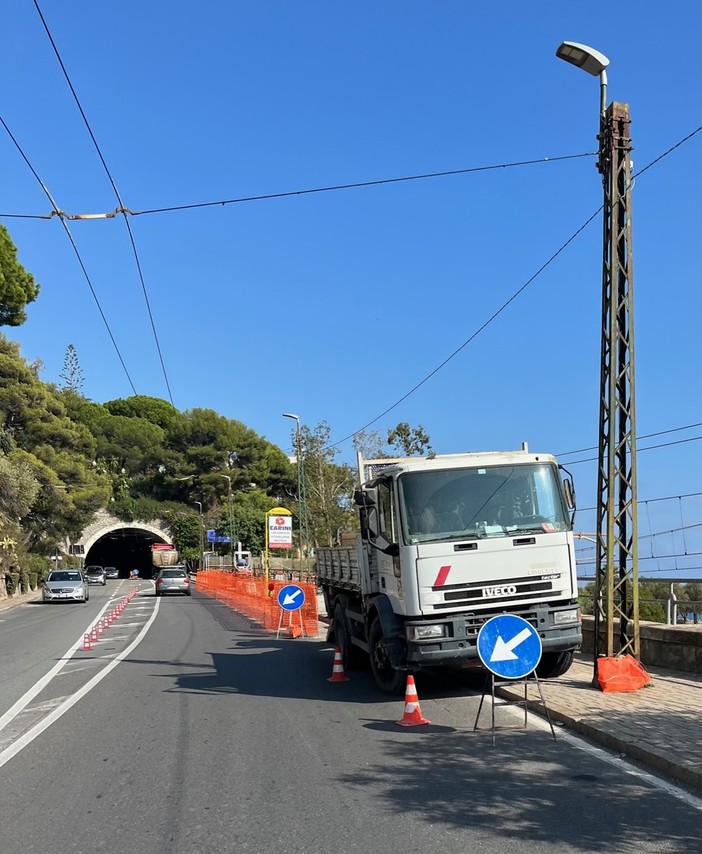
(389, 680)
(554, 664)
(352, 655)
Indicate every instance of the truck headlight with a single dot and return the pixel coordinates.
(572, 616)
(415, 633)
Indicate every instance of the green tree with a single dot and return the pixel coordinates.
(17, 286)
(328, 487)
(411, 441)
(369, 445)
(58, 452)
(71, 373)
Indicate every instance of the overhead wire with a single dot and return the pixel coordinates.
(638, 438)
(117, 195)
(311, 190)
(499, 311)
(75, 249)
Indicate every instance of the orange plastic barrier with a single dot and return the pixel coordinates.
(621, 673)
(250, 595)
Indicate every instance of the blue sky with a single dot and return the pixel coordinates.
(334, 305)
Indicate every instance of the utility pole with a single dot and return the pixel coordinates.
(231, 518)
(202, 536)
(301, 499)
(617, 583)
(616, 572)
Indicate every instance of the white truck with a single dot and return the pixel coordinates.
(446, 543)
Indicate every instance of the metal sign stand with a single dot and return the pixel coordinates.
(290, 622)
(490, 679)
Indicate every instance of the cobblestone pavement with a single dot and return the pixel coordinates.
(659, 725)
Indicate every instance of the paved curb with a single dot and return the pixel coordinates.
(641, 751)
(20, 599)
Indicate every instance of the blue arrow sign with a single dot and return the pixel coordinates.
(509, 646)
(291, 597)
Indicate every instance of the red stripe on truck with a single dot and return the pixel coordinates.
(442, 576)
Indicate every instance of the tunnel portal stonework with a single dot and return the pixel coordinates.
(105, 523)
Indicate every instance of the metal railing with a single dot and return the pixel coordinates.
(677, 610)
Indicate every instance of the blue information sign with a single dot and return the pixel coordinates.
(509, 646)
(291, 597)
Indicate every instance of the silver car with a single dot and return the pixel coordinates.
(95, 575)
(172, 579)
(66, 585)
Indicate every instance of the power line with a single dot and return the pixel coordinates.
(638, 438)
(639, 450)
(309, 191)
(117, 195)
(650, 500)
(499, 311)
(75, 249)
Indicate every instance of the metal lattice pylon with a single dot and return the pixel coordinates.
(616, 585)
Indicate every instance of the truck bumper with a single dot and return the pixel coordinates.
(461, 643)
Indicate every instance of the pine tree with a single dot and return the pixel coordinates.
(72, 374)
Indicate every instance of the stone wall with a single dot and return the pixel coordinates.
(676, 647)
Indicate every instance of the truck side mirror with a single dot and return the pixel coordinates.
(569, 493)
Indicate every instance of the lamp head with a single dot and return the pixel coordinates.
(583, 56)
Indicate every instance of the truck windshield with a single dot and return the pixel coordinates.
(494, 501)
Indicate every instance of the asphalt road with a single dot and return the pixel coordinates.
(195, 732)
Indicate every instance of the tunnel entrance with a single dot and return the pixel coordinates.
(126, 548)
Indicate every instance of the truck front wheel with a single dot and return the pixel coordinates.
(554, 664)
(389, 680)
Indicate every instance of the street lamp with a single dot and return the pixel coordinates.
(590, 60)
(302, 504)
(231, 517)
(202, 536)
(616, 583)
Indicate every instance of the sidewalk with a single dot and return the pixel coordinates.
(659, 725)
(20, 599)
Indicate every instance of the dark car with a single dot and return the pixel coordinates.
(95, 575)
(172, 579)
(111, 572)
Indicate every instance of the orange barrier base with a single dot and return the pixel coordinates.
(250, 595)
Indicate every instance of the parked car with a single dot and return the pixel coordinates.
(66, 585)
(172, 579)
(111, 572)
(95, 575)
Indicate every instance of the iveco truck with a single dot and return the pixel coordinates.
(446, 543)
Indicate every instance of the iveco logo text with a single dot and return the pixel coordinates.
(504, 590)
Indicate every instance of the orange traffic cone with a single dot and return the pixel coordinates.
(86, 642)
(413, 714)
(338, 673)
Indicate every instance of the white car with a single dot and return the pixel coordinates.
(66, 585)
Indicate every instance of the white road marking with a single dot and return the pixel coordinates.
(39, 686)
(579, 742)
(61, 710)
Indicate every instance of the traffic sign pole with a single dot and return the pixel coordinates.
(291, 598)
(510, 648)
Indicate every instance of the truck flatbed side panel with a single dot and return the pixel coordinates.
(339, 566)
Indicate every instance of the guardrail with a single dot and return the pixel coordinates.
(672, 604)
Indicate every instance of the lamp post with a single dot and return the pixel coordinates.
(616, 571)
(202, 536)
(231, 517)
(301, 501)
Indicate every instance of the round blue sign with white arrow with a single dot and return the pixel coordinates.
(509, 646)
(291, 597)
